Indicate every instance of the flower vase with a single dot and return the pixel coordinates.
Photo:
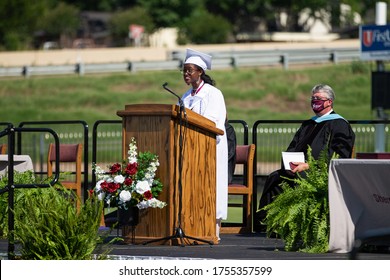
(128, 217)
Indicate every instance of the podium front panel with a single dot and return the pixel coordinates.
(157, 129)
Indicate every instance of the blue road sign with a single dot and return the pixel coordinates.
(374, 42)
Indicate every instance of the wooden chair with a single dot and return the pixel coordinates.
(245, 155)
(70, 154)
(3, 149)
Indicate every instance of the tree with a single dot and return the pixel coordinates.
(25, 17)
(246, 14)
(19, 20)
(101, 5)
(203, 27)
(120, 21)
(242, 14)
(61, 22)
(170, 13)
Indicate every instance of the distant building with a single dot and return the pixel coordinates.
(164, 37)
(94, 29)
(310, 26)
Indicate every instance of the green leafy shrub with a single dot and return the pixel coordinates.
(19, 178)
(49, 226)
(203, 27)
(300, 215)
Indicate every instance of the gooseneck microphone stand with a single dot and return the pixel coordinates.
(179, 233)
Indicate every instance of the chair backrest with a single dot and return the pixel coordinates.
(245, 155)
(68, 153)
(3, 149)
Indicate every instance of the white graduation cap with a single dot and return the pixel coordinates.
(198, 58)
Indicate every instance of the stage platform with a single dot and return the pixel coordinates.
(255, 246)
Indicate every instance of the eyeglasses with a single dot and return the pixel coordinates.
(188, 71)
(318, 98)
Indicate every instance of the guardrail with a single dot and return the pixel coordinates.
(221, 60)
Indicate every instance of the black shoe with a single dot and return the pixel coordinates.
(258, 224)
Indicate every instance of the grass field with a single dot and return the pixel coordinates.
(250, 94)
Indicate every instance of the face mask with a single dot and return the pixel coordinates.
(318, 105)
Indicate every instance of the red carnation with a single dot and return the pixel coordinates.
(148, 195)
(104, 186)
(115, 168)
(112, 187)
(128, 181)
(131, 168)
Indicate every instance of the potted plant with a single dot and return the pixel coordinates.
(300, 215)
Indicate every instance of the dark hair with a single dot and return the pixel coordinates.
(206, 78)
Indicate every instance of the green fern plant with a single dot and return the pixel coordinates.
(50, 227)
(300, 215)
(26, 177)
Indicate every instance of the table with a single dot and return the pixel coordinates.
(21, 163)
(359, 201)
(373, 155)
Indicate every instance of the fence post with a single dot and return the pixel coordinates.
(334, 57)
(233, 61)
(285, 61)
(80, 68)
(26, 71)
(131, 67)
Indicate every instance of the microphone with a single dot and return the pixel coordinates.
(181, 103)
(166, 88)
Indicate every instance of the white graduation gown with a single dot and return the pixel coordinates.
(210, 103)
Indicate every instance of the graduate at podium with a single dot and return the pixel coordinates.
(207, 100)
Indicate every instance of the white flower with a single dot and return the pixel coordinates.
(142, 186)
(98, 186)
(119, 179)
(98, 189)
(143, 204)
(153, 202)
(100, 173)
(132, 152)
(124, 196)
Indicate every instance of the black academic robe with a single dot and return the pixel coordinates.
(231, 139)
(335, 135)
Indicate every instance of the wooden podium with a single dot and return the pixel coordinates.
(156, 128)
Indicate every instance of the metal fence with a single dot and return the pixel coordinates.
(273, 137)
(221, 60)
(103, 144)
